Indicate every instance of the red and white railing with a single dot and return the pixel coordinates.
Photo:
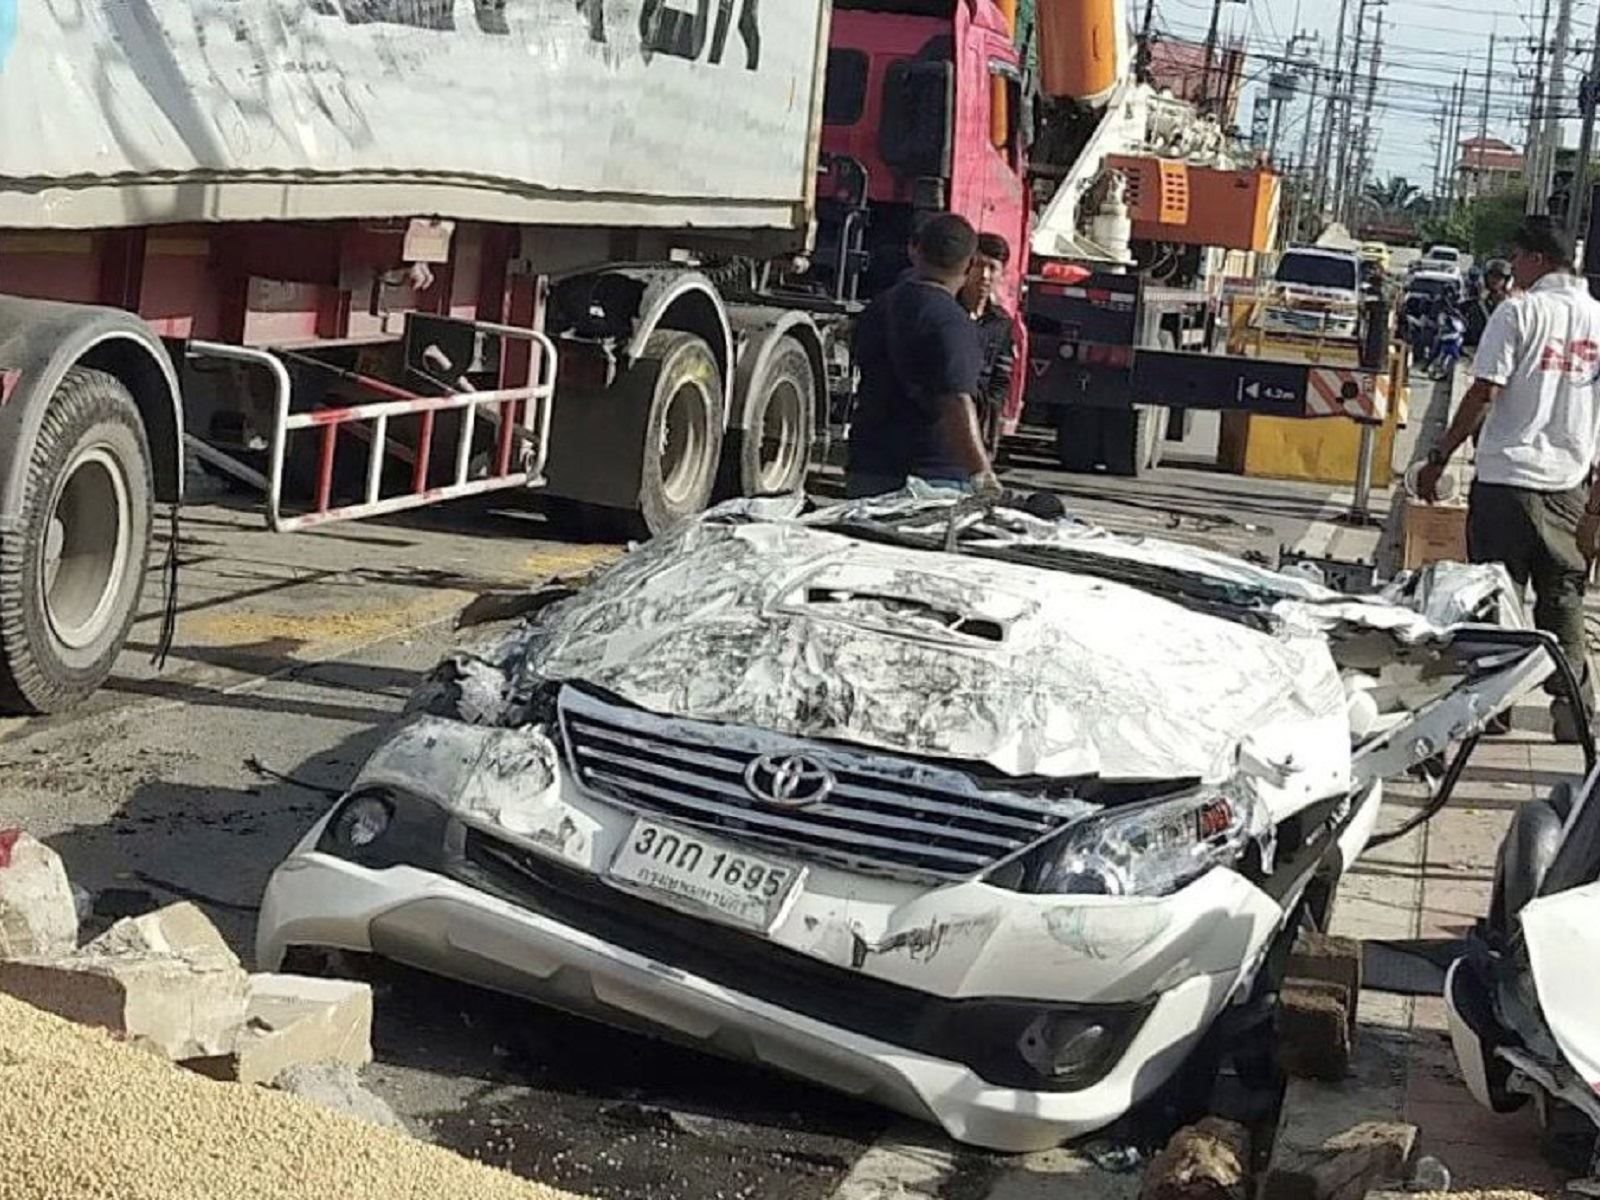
(521, 416)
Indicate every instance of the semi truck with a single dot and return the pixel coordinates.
(365, 255)
(360, 256)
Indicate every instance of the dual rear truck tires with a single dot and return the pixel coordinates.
(72, 576)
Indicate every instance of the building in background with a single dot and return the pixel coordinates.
(1180, 67)
(1488, 167)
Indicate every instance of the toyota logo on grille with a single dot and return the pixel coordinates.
(788, 780)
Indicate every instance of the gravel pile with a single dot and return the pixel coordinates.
(83, 1117)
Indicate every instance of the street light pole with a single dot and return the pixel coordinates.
(1211, 50)
(1580, 177)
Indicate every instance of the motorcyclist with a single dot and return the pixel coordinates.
(1449, 329)
(1496, 287)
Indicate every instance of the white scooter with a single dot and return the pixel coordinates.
(1523, 1017)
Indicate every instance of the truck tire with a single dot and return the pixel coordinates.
(1078, 438)
(70, 582)
(1132, 440)
(774, 450)
(677, 396)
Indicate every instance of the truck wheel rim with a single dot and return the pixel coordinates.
(684, 433)
(85, 552)
(780, 437)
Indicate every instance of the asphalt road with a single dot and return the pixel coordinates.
(294, 652)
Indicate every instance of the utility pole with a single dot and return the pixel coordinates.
(1148, 30)
(1341, 211)
(1306, 175)
(1211, 50)
(1455, 139)
(1329, 111)
(1533, 148)
(1556, 101)
(1580, 174)
(1483, 123)
(1364, 147)
(1439, 151)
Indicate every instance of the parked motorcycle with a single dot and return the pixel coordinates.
(1523, 1021)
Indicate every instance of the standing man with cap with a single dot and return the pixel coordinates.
(1535, 409)
(920, 360)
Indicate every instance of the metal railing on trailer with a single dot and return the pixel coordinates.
(520, 415)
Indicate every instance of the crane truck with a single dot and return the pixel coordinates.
(362, 256)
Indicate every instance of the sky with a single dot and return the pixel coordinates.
(1427, 44)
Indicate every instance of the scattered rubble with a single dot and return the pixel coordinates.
(291, 1020)
(1317, 1007)
(166, 980)
(1345, 1167)
(83, 1117)
(1206, 1161)
(38, 914)
(337, 1086)
(1314, 1030)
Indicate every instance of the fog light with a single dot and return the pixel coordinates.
(362, 821)
(1065, 1048)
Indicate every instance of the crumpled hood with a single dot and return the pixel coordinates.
(811, 633)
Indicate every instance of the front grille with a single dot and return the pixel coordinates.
(883, 814)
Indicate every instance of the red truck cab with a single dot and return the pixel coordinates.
(922, 113)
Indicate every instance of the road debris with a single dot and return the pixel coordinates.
(337, 1086)
(1344, 1167)
(1206, 1161)
(166, 980)
(1314, 1029)
(38, 913)
(291, 1021)
(84, 1117)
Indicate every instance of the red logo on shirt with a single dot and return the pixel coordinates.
(1578, 357)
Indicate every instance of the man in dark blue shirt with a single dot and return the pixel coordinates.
(920, 359)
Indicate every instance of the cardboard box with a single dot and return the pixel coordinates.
(1434, 533)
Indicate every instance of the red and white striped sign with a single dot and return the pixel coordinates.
(1331, 392)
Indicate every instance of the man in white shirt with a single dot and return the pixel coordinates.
(1535, 410)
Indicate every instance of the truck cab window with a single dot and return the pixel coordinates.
(845, 97)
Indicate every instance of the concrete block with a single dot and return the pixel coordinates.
(1315, 1035)
(1331, 960)
(1206, 1161)
(180, 1007)
(38, 915)
(177, 931)
(290, 1020)
(1345, 1167)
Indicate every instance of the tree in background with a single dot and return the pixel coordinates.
(1395, 197)
(1483, 227)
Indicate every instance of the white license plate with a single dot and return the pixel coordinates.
(705, 874)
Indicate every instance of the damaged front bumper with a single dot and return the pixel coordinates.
(1014, 1021)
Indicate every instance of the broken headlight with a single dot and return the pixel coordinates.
(383, 827)
(1151, 849)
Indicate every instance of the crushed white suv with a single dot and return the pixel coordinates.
(994, 819)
